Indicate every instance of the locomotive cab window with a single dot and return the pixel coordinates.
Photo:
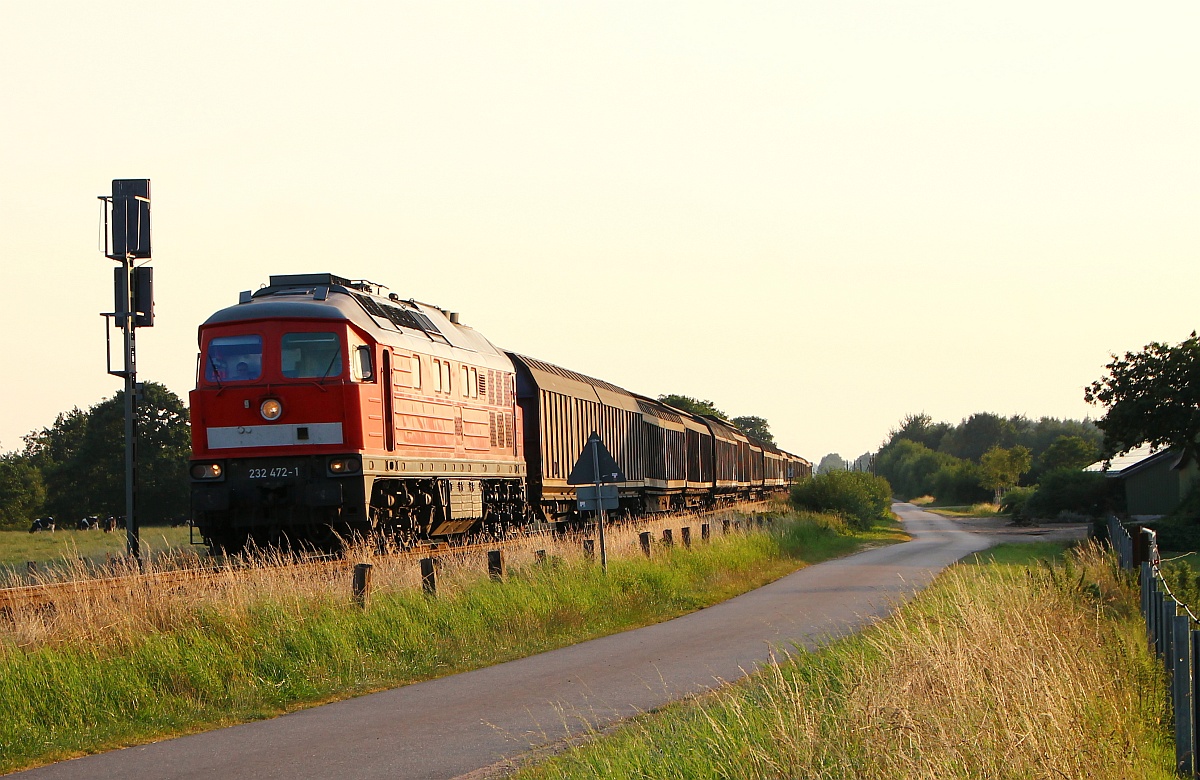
(310, 355)
(233, 359)
(360, 360)
(361, 367)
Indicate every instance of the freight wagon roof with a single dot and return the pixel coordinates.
(723, 430)
(659, 413)
(548, 376)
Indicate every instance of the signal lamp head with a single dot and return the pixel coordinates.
(271, 409)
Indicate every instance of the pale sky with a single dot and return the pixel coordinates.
(827, 214)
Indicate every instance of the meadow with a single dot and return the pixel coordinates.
(137, 664)
(63, 549)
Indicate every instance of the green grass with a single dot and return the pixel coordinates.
(252, 655)
(998, 670)
(52, 548)
(974, 510)
(1024, 554)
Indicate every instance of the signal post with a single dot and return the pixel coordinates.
(127, 240)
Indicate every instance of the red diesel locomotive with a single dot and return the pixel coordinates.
(325, 408)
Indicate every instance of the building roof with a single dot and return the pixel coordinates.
(1136, 460)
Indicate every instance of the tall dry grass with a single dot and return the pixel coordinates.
(118, 603)
(143, 657)
(994, 672)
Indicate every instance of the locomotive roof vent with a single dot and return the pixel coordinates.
(454, 317)
(324, 280)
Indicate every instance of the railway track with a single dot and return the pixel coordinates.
(43, 595)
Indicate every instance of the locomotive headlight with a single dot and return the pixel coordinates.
(206, 471)
(271, 409)
(343, 465)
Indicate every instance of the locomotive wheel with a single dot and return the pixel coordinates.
(226, 544)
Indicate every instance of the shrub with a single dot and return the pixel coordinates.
(1080, 492)
(959, 483)
(857, 497)
(1013, 502)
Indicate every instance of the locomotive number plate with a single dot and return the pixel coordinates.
(274, 472)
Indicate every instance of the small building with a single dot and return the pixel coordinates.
(1155, 481)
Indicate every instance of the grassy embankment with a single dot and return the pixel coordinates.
(998, 670)
(134, 666)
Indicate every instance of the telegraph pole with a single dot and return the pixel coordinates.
(126, 240)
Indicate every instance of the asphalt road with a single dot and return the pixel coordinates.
(456, 725)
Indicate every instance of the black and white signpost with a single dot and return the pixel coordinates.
(597, 467)
(127, 240)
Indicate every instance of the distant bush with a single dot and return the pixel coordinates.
(1074, 492)
(958, 483)
(1013, 502)
(1179, 531)
(856, 496)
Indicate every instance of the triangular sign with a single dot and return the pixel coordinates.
(585, 470)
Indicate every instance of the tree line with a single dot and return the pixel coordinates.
(756, 428)
(983, 456)
(76, 467)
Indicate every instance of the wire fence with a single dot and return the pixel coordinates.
(1170, 627)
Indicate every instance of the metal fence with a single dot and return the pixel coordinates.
(1169, 627)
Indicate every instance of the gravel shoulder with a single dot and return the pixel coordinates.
(1002, 530)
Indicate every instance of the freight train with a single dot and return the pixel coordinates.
(327, 408)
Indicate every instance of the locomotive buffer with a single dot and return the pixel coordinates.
(592, 471)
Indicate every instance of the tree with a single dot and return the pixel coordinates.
(1002, 468)
(693, 405)
(910, 467)
(978, 434)
(53, 452)
(81, 458)
(922, 429)
(831, 462)
(1068, 452)
(756, 428)
(864, 462)
(163, 447)
(1151, 397)
(22, 491)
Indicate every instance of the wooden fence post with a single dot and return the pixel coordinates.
(496, 565)
(360, 588)
(429, 575)
(685, 536)
(644, 540)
